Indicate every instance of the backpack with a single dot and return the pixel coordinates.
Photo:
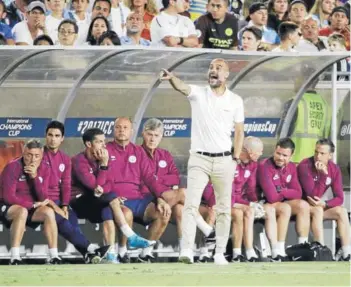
(313, 251)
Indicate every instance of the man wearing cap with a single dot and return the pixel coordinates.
(297, 11)
(26, 31)
(339, 23)
(169, 29)
(310, 42)
(217, 28)
(215, 111)
(258, 17)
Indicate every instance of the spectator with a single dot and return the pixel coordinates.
(277, 13)
(258, 18)
(54, 19)
(43, 40)
(67, 32)
(297, 11)
(82, 18)
(26, 31)
(148, 9)
(251, 39)
(109, 38)
(5, 30)
(171, 29)
(289, 35)
(100, 8)
(16, 11)
(218, 29)
(339, 23)
(310, 41)
(135, 26)
(321, 11)
(337, 43)
(97, 27)
(119, 13)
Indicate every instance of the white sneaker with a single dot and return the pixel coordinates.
(219, 259)
(186, 256)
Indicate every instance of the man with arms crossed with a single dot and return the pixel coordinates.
(316, 175)
(92, 177)
(277, 178)
(215, 110)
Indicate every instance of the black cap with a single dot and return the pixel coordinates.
(256, 7)
(342, 10)
(298, 2)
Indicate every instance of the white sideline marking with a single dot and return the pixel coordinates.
(174, 271)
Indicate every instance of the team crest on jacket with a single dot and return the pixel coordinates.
(247, 173)
(91, 170)
(112, 157)
(162, 163)
(288, 178)
(132, 159)
(40, 179)
(328, 181)
(275, 177)
(62, 167)
(236, 173)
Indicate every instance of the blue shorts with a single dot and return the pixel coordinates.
(138, 207)
(4, 208)
(95, 209)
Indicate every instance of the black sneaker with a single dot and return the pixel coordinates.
(211, 237)
(54, 261)
(238, 258)
(124, 259)
(102, 251)
(16, 262)
(146, 259)
(204, 259)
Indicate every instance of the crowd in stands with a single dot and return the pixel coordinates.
(275, 25)
(119, 182)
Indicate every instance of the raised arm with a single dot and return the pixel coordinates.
(176, 83)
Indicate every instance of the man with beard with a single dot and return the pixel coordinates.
(278, 181)
(135, 25)
(215, 110)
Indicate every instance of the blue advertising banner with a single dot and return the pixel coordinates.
(75, 127)
(173, 127)
(23, 127)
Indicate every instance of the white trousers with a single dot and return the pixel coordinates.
(221, 172)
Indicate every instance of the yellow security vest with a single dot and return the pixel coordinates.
(312, 123)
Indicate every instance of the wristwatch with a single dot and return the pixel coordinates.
(238, 160)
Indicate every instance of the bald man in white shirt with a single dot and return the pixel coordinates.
(215, 110)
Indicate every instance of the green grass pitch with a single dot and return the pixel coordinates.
(176, 274)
